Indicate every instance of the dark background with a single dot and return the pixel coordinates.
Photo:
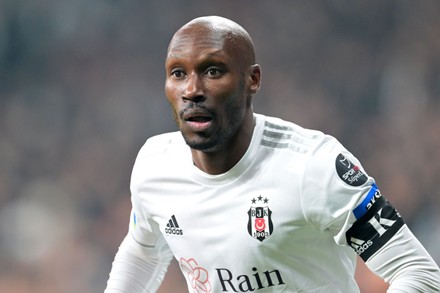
(81, 88)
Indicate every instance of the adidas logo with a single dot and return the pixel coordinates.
(173, 227)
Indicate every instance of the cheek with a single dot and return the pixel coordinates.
(170, 92)
(234, 95)
(228, 90)
(173, 96)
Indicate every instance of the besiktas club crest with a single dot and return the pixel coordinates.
(260, 224)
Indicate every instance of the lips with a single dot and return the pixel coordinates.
(197, 119)
(197, 115)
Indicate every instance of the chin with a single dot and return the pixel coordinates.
(207, 145)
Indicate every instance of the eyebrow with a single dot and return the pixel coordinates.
(216, 57)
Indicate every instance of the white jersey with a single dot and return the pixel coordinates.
(276, 222)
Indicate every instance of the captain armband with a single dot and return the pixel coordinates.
(375, 227)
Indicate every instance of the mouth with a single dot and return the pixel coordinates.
(198, 120)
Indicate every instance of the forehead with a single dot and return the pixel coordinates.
(198, 42)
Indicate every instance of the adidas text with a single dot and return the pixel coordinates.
(174, 231)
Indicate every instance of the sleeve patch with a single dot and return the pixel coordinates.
(349, 172)
(374, 229)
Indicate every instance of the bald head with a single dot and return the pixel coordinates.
(219, 28)
(211, 77)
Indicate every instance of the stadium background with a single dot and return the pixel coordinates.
(81, 88)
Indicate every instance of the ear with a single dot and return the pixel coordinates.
(255, 78)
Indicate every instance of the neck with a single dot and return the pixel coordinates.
(223, 160)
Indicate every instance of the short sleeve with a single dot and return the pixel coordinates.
(333, 186)
(142, 227)
(143, 230)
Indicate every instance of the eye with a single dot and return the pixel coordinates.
(213, 72)
(177, 73)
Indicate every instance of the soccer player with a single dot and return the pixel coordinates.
(246, 202)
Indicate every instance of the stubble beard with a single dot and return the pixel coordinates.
(224, 134)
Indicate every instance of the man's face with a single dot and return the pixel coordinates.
(206, 88)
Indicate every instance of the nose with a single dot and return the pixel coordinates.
(193, 90)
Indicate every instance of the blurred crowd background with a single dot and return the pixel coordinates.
(81, 88)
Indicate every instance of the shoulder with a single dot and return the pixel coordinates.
(158, 155)
(160, 152)
(279, 133)
(161, 144)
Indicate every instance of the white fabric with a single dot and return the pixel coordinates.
(208, 221)
(137, 268)
(405, 264)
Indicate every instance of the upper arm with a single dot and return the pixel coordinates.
(340, 198)
(334, 184)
